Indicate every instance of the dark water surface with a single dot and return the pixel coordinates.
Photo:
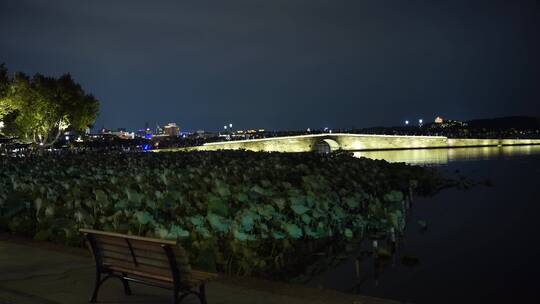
(481, 245)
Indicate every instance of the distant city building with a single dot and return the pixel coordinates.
(159, 130)
(144, 133)
(141, 133)
(439, 120)
(171, 129)
(204, 134)
(122, 133)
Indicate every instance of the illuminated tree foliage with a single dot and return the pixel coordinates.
(4, 85)
(38, 109)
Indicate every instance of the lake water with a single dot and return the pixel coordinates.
(481, 245)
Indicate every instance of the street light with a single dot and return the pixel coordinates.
(230, 125)
(225, 127)
(406, 122)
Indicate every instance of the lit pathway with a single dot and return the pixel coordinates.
(38, 272)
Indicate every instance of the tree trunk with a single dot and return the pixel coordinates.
(44, 141)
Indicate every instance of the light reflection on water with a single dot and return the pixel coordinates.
(444, 156)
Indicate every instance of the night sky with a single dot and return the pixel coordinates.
(283, 64)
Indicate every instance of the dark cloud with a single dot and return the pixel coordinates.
(283, 63)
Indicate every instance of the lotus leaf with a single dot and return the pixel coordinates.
(252, 211)
(197, 220)
(267, 211)
(310, 233)
(177, 232)
(258, 189)
(217, 205)
(278, 235)
(134, 197)
(239, 235)
(242, 197)
(352, 202)
(299, 209)
(293, 230)
(247, 221)
(222, 189)
(101, 196)
(218, 223)
(49, 211)
(339, 213)
(144, 217)
(306, 219)
(279, 202)
(394, 197)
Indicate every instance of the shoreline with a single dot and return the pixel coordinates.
(77, 272)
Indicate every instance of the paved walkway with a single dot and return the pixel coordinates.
(39, 272)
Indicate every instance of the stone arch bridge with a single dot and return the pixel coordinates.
(329, 142)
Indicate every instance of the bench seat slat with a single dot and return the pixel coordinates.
(140, 260)
(126, 236)
(140, 248)
(159, 256)
(143, 274)
(111, 262)
(153, 247)
(195, 279)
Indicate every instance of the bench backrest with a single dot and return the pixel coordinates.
(158, 259)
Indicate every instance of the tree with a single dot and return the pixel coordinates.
(5, 106)
(4, 85)
(40, 108)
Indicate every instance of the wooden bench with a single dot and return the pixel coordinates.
(149, 261)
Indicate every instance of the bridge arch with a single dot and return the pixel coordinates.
(326, 145)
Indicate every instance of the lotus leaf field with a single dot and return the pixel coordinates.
(235, 211)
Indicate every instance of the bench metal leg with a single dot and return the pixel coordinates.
(179, 296)
(175, 296)
(125, 282)
(202, 294)
(93, 299)
(100, 281)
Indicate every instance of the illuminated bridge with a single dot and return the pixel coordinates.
(356, 142)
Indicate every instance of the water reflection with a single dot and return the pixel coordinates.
(444, 156)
